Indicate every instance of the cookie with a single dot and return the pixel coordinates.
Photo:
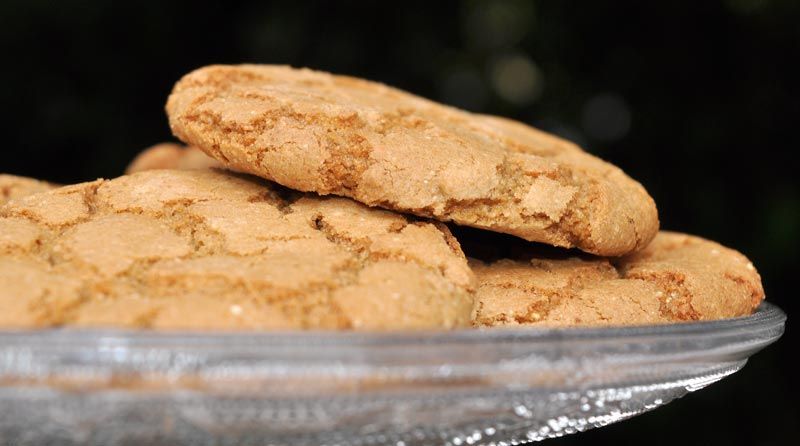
(205, 249)
(171, 156)
(676, 278)
(314, 131)
(12, 187)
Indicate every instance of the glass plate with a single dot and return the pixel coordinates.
(499, 386)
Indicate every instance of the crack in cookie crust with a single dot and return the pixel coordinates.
(13, 187)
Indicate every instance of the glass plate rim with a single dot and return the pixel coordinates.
(767, 317)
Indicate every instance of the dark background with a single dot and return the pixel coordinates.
(697, 100)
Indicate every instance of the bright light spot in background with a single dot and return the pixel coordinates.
(606, 117)
(516, 78)
(498, 23)
(465, 89)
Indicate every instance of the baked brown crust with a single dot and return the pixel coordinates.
(12, 187)
(313, 131)
(207, 249)
(169, 155)
(677, 278)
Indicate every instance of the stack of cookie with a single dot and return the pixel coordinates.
(306, 200)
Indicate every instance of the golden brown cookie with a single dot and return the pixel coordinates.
(206, 249)
(169, 155)
(313, 131)
(12, 187)
(676, 278)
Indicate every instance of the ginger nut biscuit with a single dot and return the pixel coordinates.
(676, 278)
(313, 131)
(206, 249)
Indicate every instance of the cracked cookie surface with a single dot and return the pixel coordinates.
(169, 155)
(676, 278)
(329, 134)
(207, 249)
(13, 187)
